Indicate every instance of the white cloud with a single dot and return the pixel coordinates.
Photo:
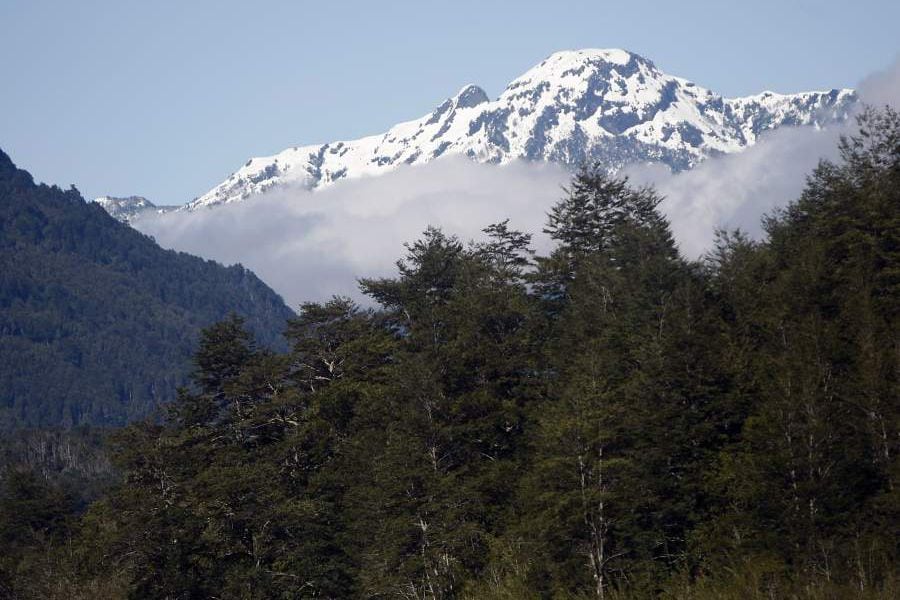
(311, 245)
(737, 190)
(883, 87)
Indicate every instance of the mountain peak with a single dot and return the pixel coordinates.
(470, 96)
(136, 201)
(606, 106)
(580, 72)
(616, 56)
(6, 163)
(9, 172)
(128, 208)
(574, 62)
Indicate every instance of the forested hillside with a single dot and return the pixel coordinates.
(97, 322)
(608, 421)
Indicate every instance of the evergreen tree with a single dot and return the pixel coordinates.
(611, 420)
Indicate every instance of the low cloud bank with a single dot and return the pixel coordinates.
(312, 245)
(735, 191)
(883, 87)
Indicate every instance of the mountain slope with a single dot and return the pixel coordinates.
(610, 106)
(131, 207)
(97, 322)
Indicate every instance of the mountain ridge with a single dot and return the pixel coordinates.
(98, 323)
(609, 106)
(128, 208)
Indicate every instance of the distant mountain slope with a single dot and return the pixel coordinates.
(610, 106)
(97, 322)
(126, 209)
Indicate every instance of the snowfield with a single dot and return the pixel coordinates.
(611, 107)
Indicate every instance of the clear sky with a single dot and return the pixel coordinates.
(165, 99)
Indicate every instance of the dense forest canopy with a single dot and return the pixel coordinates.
(607, 421)
(97, 322)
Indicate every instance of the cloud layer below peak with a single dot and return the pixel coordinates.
(312, 245)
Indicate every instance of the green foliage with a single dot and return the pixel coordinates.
(611, 421)
(97, 322)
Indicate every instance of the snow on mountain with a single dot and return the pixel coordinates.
(607, 106)
(127, 209)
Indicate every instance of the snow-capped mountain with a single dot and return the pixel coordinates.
(608, 106)
(127, 209)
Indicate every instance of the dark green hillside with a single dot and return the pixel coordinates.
(608, 421)
(97, 322)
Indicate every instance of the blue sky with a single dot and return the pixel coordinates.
(165, 99)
